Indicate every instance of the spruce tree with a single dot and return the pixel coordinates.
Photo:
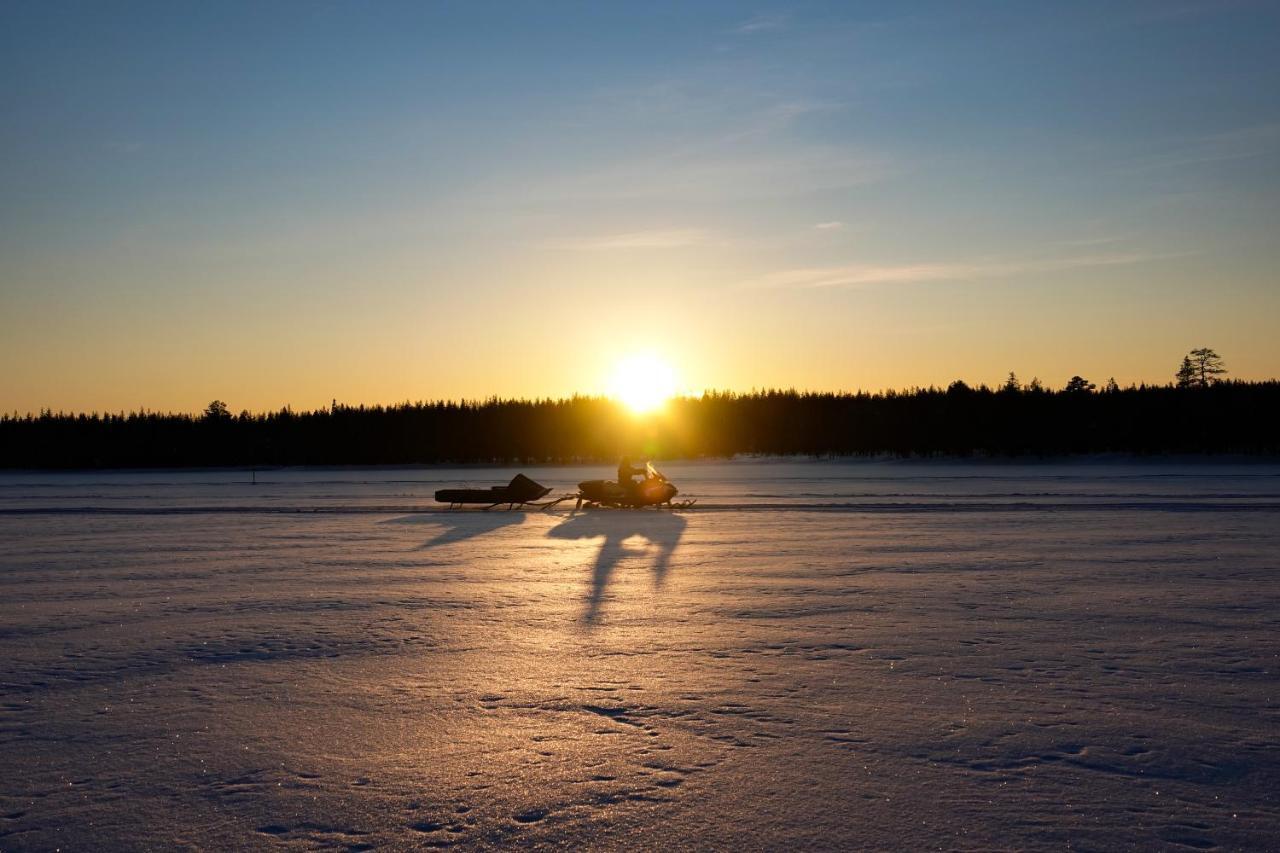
(1186, 375)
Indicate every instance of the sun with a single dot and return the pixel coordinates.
(642, 383)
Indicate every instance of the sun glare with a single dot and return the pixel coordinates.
(642, 383)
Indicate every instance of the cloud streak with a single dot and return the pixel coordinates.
(1239, 144)
(859, 275)
(760, 23)
(656, 238)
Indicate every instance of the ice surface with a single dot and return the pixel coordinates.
(853, 654)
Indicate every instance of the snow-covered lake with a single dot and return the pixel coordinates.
(853, 654)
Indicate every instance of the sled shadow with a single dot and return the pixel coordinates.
(461, 525)
(662, 529)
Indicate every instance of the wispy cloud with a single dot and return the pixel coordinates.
(1081, 242)
(726, 175)
(857, 275)
(695, 143)
(1238, 144)
(833, 225)
(761, 23)
(657, 238)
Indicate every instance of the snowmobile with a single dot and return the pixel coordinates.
(654, 490)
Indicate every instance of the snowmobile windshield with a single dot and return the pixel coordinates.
(653, 473)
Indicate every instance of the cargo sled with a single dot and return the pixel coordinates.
(520, 491)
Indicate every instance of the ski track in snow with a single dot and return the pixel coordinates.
(819, 655)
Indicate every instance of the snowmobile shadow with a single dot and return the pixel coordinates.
(661, 529)
(461, 525)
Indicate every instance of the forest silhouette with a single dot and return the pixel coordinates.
(1012, 420)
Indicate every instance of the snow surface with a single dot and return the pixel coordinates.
(906, 655)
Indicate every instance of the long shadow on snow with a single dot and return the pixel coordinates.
(662, 529)
(461, 525)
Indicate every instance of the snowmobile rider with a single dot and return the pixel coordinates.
(626, 472)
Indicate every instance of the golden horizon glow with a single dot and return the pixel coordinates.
(642, 382)
(736, 200)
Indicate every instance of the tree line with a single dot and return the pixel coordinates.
(1204, 414)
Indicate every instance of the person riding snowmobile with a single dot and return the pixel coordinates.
(626, 472)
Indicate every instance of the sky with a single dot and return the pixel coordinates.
(288, 203)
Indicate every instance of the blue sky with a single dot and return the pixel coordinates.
(283, 203)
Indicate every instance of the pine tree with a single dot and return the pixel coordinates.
(1208, 366)
(1079, 385)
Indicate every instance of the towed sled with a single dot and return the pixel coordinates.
(520, 491)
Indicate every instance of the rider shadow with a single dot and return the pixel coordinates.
(662, 529)
(461, 525)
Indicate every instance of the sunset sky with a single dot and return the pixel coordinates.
(285, 203)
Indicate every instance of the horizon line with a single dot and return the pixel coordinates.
(461, 402)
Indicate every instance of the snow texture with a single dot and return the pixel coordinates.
(911, 655)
